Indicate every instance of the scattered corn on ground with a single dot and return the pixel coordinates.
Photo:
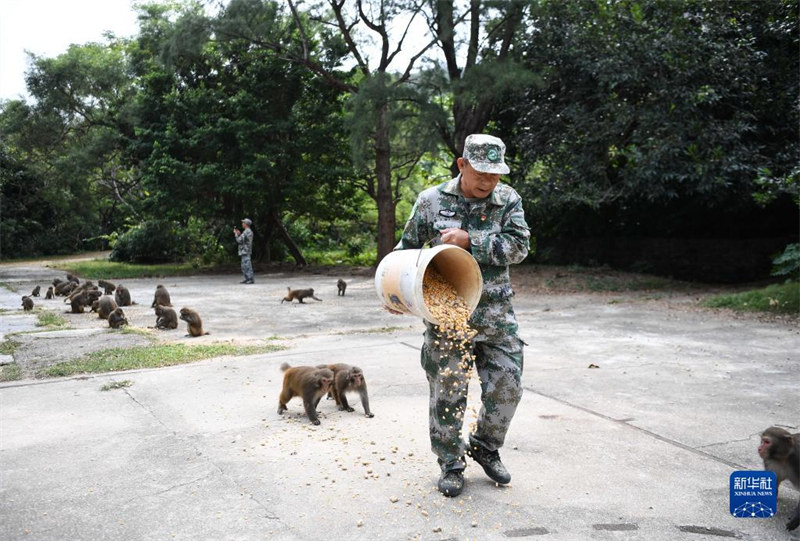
(452, 313)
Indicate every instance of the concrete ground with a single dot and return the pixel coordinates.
(641, 447)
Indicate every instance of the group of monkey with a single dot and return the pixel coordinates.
(779, 449)
(108, 303)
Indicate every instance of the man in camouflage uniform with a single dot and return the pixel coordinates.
(475, 212)
(245, 241)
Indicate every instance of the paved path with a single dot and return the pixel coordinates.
(640, 448)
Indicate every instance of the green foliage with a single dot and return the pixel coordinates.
(101, 269)
(777, 298)
(112, 360)
(638, 106)
(788, 263)
(162, 241)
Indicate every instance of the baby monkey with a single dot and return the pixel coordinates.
(308, 382)
(780, 452)
(341, 285)
(299, 294)
(348, 378)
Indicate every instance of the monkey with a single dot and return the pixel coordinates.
(307, 382)
(122, 296)
(35, 292)
(117, 319)
(104, 306)
(108, 287)
(65, 288)
(78, 303)
(193, 322)
(161, 297)
(299, 294)
(166, 318)
(85, 287)
(57, 281)
(49, 295)
(73, 278)
(342, 286)
(27, 303)
(348, 378)
(780, 452)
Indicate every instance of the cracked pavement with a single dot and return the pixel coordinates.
(641, 447)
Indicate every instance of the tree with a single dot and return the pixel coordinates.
(71, 141)
(229, 130)
(318, 41)
(659, 118)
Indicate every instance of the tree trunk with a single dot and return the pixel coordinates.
(385, 200)
(287, 239)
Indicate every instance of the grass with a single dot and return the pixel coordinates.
(50, 319)
(7, 347)
(777, 299)
(112, 360)
(10, 372)
(102, 269)
(113, 384)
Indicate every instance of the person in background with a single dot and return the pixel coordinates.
(245, 241)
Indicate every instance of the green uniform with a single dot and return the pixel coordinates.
(499, 236)
(245, 242)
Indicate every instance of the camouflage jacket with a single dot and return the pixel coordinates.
(498, 233)
(245, 241)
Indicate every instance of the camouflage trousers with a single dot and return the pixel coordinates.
(247, 267)
(498, 359)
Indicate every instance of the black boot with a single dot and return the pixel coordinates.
(451, 483)
(490, 462)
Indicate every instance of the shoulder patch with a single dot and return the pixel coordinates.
(447, 213)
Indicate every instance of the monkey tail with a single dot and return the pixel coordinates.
(285, 367)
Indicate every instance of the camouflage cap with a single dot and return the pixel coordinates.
(486, 153)
(247, 221)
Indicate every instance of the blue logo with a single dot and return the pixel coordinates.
(754, 494)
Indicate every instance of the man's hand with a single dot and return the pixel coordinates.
(236, 231)
(458, 237)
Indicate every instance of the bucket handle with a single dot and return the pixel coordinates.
(428, 242)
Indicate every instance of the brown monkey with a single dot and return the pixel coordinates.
(104, 306)
(86, 287)
(161, 297)
(27, 303)
(122, 296)
(35, 292)
(49, 295)
(108, 287)
(193, 322)
(348, 378)
(73, 278)
(166, 318)
(117, 319)
(79, 302)
(57, 281)
(299, 294)
(307, 382)
(65, 288)
(780, 452)
(341, 286)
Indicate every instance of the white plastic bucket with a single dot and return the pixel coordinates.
(399, 278)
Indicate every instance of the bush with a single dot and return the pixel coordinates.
(788, 263)
(162, 241)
